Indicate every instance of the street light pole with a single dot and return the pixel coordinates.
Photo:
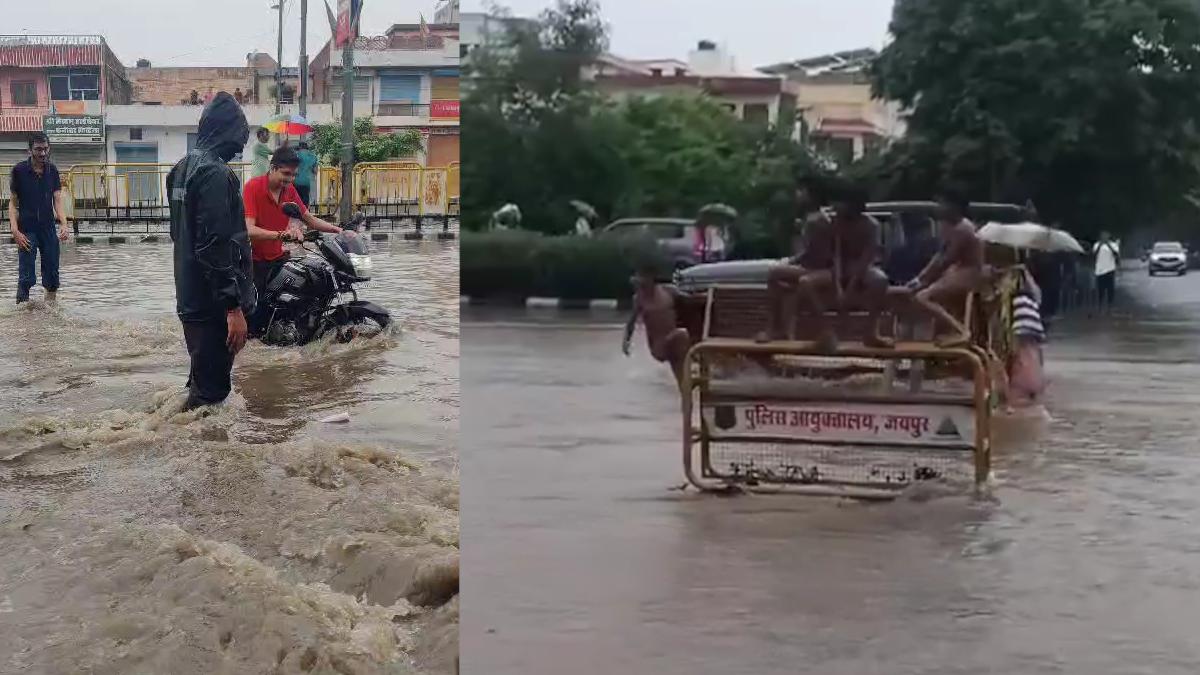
(347, 167)
(279, 60)
(304, 59)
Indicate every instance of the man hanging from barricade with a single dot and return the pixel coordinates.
(838, 257)
(942, 288)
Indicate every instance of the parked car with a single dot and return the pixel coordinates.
(678, 238)
(1168, 257)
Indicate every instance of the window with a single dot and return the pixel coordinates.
(839, 150)
(662, 231)
(756, 113)
(24, 93)
(75, 84)
(656, 72)
(135, 133)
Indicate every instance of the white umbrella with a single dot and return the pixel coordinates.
(1030, 236)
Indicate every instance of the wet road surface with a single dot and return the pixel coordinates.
(582, 561)
(134, 539)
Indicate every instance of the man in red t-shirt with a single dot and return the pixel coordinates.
(269, 226)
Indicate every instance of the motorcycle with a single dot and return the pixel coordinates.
(305, 295)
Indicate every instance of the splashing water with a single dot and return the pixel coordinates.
(136, 538)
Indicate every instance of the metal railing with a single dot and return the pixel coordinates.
(398, 190)
(123, 192)
(403, 109)
(114, 195)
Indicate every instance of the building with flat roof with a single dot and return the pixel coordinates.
(60, 84)
(841, 117)
(405, 80)
(709, 71)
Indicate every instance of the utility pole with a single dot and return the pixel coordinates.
(279, 60)
(347, 164)
(304, 59)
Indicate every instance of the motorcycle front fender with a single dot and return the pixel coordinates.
(361, 309)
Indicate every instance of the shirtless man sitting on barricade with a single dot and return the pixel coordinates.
(953, 274)
(839, 256)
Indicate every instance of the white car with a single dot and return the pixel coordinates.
(1168, 257)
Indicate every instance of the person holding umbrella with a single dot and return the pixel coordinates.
(260, 153)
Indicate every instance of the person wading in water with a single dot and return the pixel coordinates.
(35, 205)
(654, 306)
(214, 287)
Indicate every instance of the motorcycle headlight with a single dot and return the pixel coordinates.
(362, 265)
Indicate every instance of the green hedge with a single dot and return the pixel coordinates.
(513, 265)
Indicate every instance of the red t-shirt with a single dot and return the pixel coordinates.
(268, 214)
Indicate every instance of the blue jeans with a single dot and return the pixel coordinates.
(43, 239)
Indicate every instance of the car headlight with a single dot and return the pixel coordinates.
(362, 265)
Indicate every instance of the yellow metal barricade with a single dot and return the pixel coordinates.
(329, 189)
(128, 191)
(5, 172)
(404, 189)
(797, 431)
(134, 192)
(454, 181)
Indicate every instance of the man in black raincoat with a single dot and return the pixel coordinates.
(214, 287)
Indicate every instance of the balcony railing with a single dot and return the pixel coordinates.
(403, 109)
(21, 118)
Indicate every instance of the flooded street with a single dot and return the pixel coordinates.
(134, 539)
(582, 560)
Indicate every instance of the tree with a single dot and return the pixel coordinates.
(541, 135)
(1087, 107)
(369, 144)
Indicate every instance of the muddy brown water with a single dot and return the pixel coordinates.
(1084, 561)
(134, 539)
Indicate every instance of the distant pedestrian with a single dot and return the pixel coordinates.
(1108, 258)
(238, 95)
(260, 154)
(35, 206)
(208, 97)
(305, 173)
(214, 286)
(194, 98)
(1025, 375)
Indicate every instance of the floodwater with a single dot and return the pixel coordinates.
(137, 540)
(1084, 561)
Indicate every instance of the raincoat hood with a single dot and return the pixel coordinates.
(223, 128)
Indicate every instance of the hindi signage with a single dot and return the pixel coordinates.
(929, 426)
(74, 128)
(444, 109)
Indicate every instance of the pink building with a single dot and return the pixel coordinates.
(60, 84)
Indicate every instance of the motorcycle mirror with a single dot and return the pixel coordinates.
(291, 210)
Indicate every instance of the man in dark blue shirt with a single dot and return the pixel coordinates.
(35, 205)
